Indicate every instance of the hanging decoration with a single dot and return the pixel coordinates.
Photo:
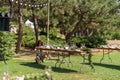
(30, 5)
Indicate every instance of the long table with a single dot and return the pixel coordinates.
(68, 53)
(107, 51)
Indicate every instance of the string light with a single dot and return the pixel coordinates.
(16, 1)
(30, 5)
(25, 4)
(21, 3)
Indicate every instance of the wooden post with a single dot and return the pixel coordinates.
(48, 22)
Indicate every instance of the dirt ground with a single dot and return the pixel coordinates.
(115, 42)
(25, 54)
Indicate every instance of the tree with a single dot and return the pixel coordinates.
(19, 41)
(35, 21)
(81, 17)
(7, 44)
(11, 8)
(86, 17)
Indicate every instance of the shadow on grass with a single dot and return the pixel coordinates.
(108, 66)
(33, 65)
(42, 66)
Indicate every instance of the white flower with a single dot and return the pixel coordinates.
(47, 73)
(20, 77)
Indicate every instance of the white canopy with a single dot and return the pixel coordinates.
(29, 23)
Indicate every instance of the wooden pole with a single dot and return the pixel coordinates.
(48, 22)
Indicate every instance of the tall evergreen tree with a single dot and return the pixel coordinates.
(86, 16)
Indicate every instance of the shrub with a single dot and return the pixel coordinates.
(7, 44)
(56, 41)
(116, 36)
(90, 42)
(79, 41)
(95, 41)
(28, 39)
(53, 40)
(43, 38)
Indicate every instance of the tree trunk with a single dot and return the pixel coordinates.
(11, 8)
(36, 28)
(35, 21)
(69, 35)
(20, 32)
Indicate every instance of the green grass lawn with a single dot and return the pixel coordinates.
(104, 71)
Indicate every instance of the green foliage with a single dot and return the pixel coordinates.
(7, 44)
(95, 41)
(81, 39)
(28, 37)
(4, 9)
(116, 35)
(56, 41)
(93, 15)
(54, 31)
(85, 16)
(53, 40)
(90, 42)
